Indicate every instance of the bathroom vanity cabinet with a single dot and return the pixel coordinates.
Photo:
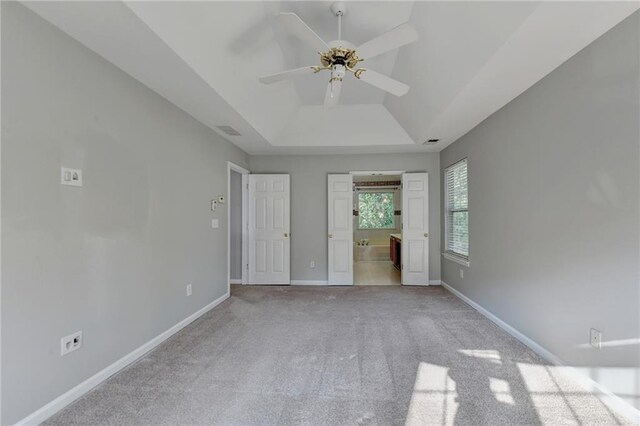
(395, 250)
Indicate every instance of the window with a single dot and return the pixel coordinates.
(457, 210)
(375, 210)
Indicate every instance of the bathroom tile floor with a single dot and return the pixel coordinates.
(375, 272)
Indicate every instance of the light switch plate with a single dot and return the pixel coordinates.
(215, 224)
(71, 177)
(70, 343)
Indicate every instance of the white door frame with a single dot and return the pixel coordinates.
(378, 173)
(244, 172)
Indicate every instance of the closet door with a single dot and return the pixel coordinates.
(269, 246)
(340, 232)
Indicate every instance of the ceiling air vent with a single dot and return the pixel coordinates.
(228, 130)
(430, 141)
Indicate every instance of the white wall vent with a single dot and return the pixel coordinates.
(228, 130)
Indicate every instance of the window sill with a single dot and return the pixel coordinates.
(458, 259)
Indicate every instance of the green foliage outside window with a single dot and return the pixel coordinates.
(375, 210)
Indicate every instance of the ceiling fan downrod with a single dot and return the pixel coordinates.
(339, 65)
(339, 8)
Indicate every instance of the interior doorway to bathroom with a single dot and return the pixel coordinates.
(377, 229)
(350, 236)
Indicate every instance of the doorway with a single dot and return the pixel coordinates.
(258, 238)
(408, 249)
(268, 229)
(237, 219)
(377, 229)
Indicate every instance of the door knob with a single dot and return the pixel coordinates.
(426, 234)
(330, 235)
(286, 235)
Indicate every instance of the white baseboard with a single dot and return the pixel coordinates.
(235, 281)
(70, 396)
(321, 282)
(605, 395)
(308, 282)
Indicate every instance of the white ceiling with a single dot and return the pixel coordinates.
(471, 59)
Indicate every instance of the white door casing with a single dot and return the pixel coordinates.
(244, 218)
(269, 236)
(415, 229)
(340, 229)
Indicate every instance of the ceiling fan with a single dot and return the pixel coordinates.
(340, 56)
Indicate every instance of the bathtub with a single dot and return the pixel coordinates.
(376, 250)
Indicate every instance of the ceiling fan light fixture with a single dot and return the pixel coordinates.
(339, 56)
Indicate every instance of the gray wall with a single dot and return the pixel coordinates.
(235, 222)
(309, 201)
(111, 258)
(554, 209)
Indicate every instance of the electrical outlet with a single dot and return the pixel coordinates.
(189, 290)
(312, 264)
(461, 273)
(596, 338)
(70, 343)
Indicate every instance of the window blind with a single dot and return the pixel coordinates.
(457, 209)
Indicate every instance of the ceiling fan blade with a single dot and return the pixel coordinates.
(285, 75)
(393, 39)
(383, 82)
(297, 27)
(332, 95)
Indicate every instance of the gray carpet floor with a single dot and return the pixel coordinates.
(340, 356)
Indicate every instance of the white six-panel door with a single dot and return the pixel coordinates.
(269, 239)
(415, 229)
(340, 232)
